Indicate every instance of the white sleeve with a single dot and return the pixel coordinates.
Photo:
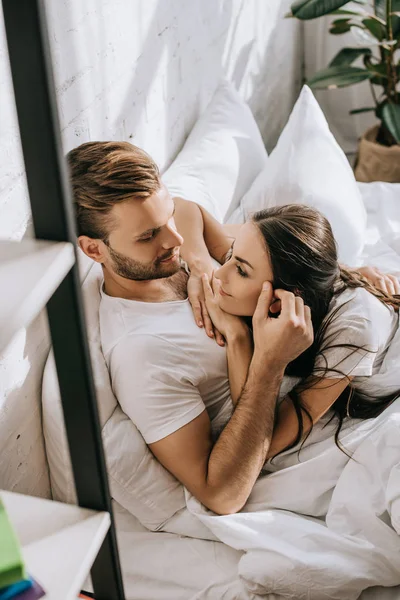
(154, 385)
(334, 356)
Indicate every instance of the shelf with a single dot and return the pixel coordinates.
(30, 271)
(59, 541)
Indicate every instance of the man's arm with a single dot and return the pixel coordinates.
(222, 477)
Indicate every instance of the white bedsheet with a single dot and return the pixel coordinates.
(163, 566)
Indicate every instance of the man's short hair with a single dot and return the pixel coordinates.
(104, 174)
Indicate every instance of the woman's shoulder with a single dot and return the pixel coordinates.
(360, 315)
(359, 303)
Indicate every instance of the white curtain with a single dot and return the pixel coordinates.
(320, 48)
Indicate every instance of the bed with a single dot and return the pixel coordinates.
(166, 566)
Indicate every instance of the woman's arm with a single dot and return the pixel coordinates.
(218, 237)
(203, 235)
(194, 224)
(317, 400)
(189, 223)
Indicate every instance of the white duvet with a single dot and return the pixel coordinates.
(325, 526)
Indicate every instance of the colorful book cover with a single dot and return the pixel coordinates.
(33, 593)
(14, 589)
(12, 568)
(28, 589)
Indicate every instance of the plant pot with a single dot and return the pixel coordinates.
(376, 162)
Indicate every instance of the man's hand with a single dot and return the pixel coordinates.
(199, 307)
(282, 339)
(387, 283)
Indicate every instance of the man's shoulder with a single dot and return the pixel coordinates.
(146, 348)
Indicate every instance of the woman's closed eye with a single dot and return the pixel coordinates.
(240, 271)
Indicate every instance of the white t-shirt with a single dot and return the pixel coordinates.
(164, 369)
(362, 320)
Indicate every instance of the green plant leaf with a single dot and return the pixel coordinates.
(395, 18)
(312, 9)
(379, 70)
(379, 109)
(357, 111)
(380, 9)
(379, 74)
(391, 119)
(340, 26)
(334, 77)
(376, 28)
(378, 81)
(395, 6)
(352, 13)
(346, 56)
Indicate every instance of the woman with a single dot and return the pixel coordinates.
(354, 322)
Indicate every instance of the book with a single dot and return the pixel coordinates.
(12, 568)
(14, 589)
(32, 591)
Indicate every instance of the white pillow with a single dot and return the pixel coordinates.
(222, 156)
(137, 480)
(307, 166)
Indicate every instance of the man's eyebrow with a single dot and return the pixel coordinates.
(154, 229)
(242, 260)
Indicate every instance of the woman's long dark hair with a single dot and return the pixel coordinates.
(303, 255)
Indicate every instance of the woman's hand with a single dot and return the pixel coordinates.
(283, 338)
(199, 307)
(225, 323)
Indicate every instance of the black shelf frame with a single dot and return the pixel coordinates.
(53, 220)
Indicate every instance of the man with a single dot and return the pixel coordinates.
(168, 376)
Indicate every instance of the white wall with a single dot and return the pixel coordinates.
(140, 71)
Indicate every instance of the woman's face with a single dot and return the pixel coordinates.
(242, 276)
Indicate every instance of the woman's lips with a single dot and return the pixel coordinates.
(222, 292)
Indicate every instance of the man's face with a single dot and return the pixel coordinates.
(143, 243)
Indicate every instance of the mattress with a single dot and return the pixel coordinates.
(165, 566)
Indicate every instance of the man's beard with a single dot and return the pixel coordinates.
(133, 269)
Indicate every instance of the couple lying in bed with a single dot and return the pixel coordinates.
(280, 308)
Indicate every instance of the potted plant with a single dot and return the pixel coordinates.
(376, 30)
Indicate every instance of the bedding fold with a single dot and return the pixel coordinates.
(292, 549)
